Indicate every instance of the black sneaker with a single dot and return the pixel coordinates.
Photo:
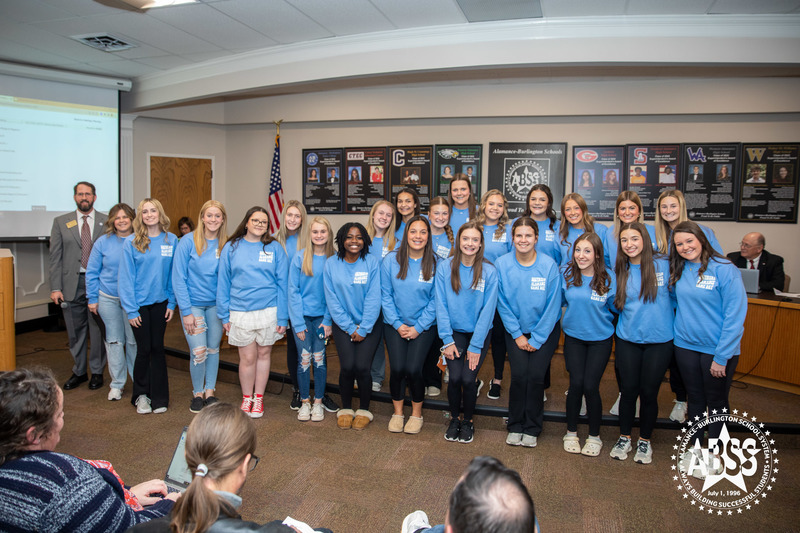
(494, 392)
(466, 433)
(295, 405)
(211, 400)
(480, 386)
(453, 430)
(329, 405)
(197, 404)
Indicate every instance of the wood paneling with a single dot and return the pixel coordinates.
(182, 185)
(771, 341)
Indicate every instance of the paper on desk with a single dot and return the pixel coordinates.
(787, 294)
(302, 527)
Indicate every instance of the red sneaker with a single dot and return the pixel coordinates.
(247, 404)
(257, 411)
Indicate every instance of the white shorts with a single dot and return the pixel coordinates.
(254, 326)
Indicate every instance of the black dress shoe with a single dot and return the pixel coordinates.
(96, 382)
(74, 381)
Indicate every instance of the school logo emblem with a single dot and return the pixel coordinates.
(521, 175)
(448, 153)
(586, 156)
(312, 159)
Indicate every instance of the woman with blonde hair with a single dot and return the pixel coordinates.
(442, 237)
(575, 221)
(195, 272)
(671, 212)
(102, 273)
(145, 291)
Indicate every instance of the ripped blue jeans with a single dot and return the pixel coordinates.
(311, 350)
(204, 348)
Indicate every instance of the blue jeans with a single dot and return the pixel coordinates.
(119, 341)
(204, 348)
(311, 348)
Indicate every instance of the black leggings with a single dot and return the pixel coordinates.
(462, 386)
(150, 367)
(705, 391)
(676, 380)
(641, 370)
(355, 359)
(498, 336)
(291, 356)
(406, 359)
(525, 397)
(586, 361)
(431, 375)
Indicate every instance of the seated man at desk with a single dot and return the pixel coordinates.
(752, 254)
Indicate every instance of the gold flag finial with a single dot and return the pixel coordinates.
(278, 125)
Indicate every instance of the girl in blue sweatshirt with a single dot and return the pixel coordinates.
(466, 298)
(711, 308)
(493, 216)
(195, 271)
(353, 297)
(462, 199)
(644, 336)
(252, 302)
(407, 204)
(145, 291)
(575, 221)
(441, 231)
(102, 273)
(310, 318)
(409, 315)
(291, 236)
(588, 292)
(539, 207)
(529, 303)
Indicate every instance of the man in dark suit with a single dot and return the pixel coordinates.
(753, 255)
(71, 241)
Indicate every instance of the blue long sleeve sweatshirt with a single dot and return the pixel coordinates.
(307, 293)
(410, 301)
(458, 217)
(529, 298)
(399, 233)
(573, 233)
(494, 247)
(194, 277)
(589, 316)
(102, 270)
(253, 277)
(441, 245)
(547, 243)
(711, 311)
(145, 277)
(610, 244)
(471, 310)
(353, 293)
(651, 322)
(378, 249)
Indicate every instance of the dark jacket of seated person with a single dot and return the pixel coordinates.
(770, 269)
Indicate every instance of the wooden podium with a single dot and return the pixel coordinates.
(8, 345)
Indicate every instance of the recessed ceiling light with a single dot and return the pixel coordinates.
(148, 4)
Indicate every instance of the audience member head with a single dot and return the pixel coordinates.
(752, 245)
(185, 226)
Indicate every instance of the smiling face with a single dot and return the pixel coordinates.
(584, 257)
(319, 234)
(670, 209)
(257, 225)
(84, 198)
(417, 237)
(524, 239)
(470, 242)
(495, 205)
(353, 244)
(459, 190)
(122, 223)
(213, 219)
(573, 213)
(293, 219)
(150, 215)
(538, 204)
(688, 247)
(631, 244)
(382, 217)
(628, 211)
(405, 205)
(439, 215)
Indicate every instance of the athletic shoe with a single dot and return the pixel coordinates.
(514, 439)
(304, 414)
(432, 392)
(615, 408)
(197, 404)
(376, 386)
(678, 413)
(494, 391)
(295, 405)
(453, 430)
(467, 432)
(529, 441)
(414, 522)
(159, 410)
(644, 452)
(247, 404)
(114, 394)
(211, 400)
(621, 448)
(143, 405)
(329, 405)
(317, 414)
(699, 472)
(480, 386)
(257, 411)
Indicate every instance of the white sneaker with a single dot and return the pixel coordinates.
(529, 441)
(698, 471)
(514, 439)
(615, 408)
(143, 405)
(621, 448)
(114, 394)
(317, 413)
(678, 413)
(159, 410)
(304, 414)
(432, 391)
(415, 521)
(644, 452)
(376, 387)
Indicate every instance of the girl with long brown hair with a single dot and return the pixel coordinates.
(462, 201)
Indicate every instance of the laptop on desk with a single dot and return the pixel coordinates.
(178, 475)
(750, 280)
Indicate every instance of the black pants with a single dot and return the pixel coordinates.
(498, 337)
(704, 390)
(291, 355)
(150, 367)
(641, 370)
(431, 375)
(676, 379)
(405, 360)
(525, 396)
(355, 359)
(586, 361)
(462, 387)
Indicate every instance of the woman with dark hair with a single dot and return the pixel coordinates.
(588, 290)
(195, 272)
(466, 298)
(185, 226)
(145, 292)
(711, 308)
(102, 273)
(252, 302)
(539, 207)
(353, 296)
(51, 492)
(628, 209)
(575, 221)
(529, 304)
(586, 181)
(407, 204)
(462, 200)
(409, 312)
(644, 336)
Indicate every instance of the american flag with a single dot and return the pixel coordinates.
(275, 200)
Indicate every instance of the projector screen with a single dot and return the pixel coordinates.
(53, 135)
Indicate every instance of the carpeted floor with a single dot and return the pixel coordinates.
(368, 481)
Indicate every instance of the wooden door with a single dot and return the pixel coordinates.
(182, 185)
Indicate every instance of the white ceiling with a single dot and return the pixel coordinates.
(174, 40)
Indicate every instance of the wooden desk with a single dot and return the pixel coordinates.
(781, 352)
